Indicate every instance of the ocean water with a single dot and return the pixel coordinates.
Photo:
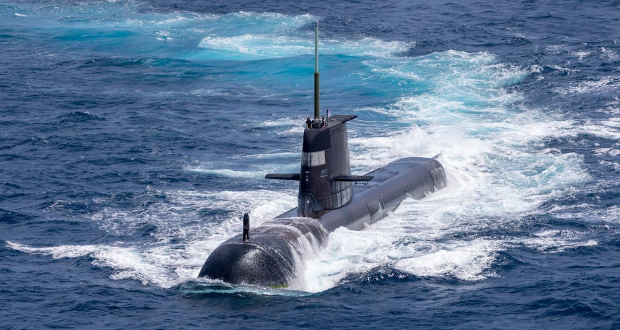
(135, 134)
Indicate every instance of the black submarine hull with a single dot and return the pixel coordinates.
(276, 250)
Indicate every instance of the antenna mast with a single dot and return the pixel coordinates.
(316, 70)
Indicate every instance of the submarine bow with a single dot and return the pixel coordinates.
(269, 258)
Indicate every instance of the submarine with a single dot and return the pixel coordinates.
(329, 197)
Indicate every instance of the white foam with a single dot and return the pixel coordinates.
(469, 261)
(496, 173)
(604, 129)
(252, 46)
(163, 36)
(409, 241)
(161, 262)
(58, 252)
(228, 172)
(604, 84)
(253, 170)
(296, 130)
(275, 155)
(554, 241)
(609, 54)
(286, 121)
(581, 54)
(614, 165)
(607, 151)
(612, 214)
(127, 262)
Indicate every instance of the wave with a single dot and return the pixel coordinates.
(246, 36)
(497, 173)
(228, 173)
(488, 143)
(461, 105)
(259, 46)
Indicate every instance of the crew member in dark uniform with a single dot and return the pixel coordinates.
(308, 123)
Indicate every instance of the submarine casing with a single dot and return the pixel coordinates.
(327, 199)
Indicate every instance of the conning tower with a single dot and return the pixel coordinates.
(325, 174)
(325, 167)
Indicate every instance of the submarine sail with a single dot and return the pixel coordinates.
(327, 199)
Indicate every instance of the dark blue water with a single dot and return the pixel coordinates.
(134, 135)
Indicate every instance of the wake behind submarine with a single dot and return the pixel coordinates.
(329, 197)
